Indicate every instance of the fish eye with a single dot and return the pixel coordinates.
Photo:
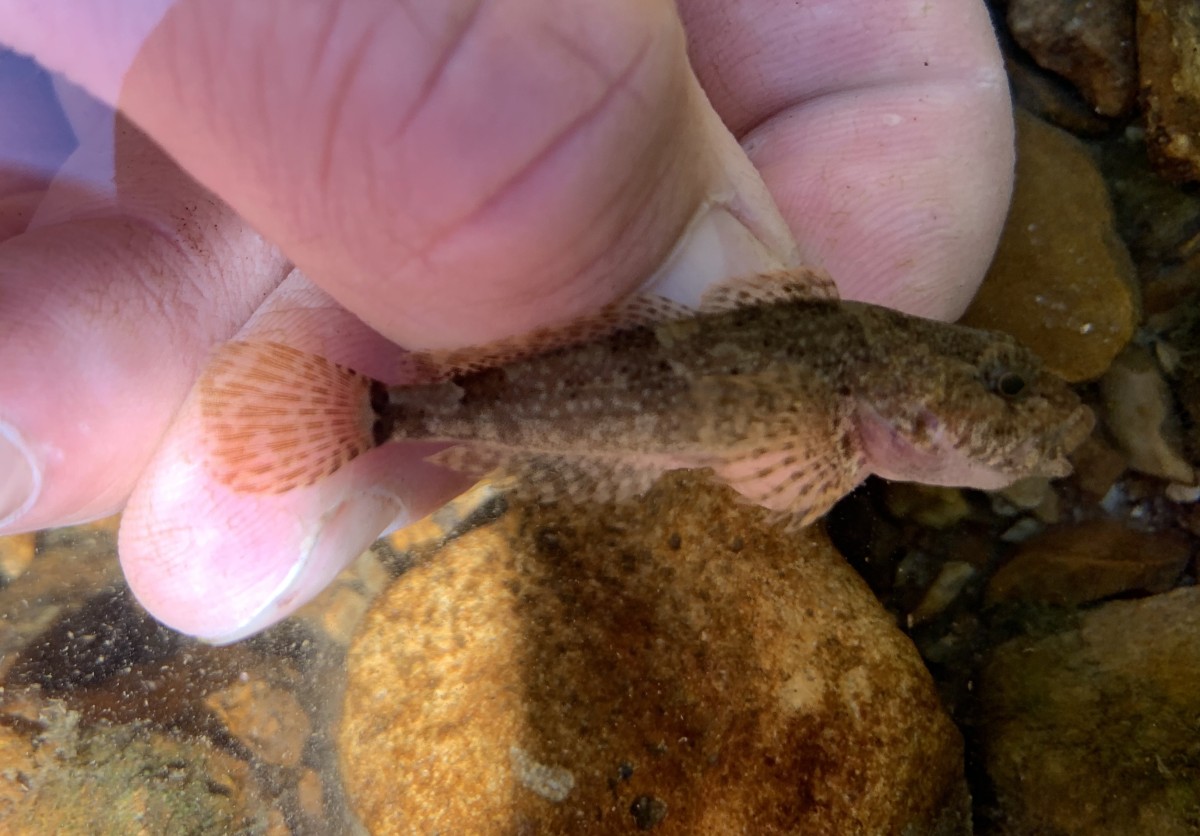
(1009, 384)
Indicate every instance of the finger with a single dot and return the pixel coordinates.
(450, 172)
(34, 140)
(221, 564)
(883, 130)
(113, 297)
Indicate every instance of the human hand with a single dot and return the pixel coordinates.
(449, 174)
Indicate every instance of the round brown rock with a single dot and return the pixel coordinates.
(1092, 731)
(676, 665)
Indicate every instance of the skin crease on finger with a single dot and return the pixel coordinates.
(583, 182)
(541, 210)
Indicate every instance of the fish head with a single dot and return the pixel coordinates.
(962, 407)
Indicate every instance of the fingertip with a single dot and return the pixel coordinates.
(882, 129)
(219, 565)
(20, 477)
(341, 534)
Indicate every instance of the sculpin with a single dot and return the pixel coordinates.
(782, 391)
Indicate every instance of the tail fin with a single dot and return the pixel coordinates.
(276, 418)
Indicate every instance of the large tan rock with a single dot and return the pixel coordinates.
(675, 664)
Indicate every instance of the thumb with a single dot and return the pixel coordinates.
(450, 172)
(539, 162)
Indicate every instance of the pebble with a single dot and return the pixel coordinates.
(1139, 411)
(16, 555)
(64, 776)
(270, 721)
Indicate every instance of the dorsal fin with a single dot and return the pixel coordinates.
(801, 283)
(792, 285)
(639, 310)
(277, 418)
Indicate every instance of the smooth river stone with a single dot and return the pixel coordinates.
(675, 664)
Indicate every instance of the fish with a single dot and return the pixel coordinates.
(773, 385)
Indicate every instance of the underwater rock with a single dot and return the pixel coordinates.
(1097, 466)
(310, 794)
(1186, 376)
(1156, 218)
(1139, 410)
(71, 567)
(944, 590)
(16, 555)
(1075, 564)
(1061, 281)
(109, 635)
(268, 720)
(1050, 97)
(1035, 494)
(1088, 42)
(1093, 730)
(62, 776)
(111, 723)
(676, 664)
(1168, 35)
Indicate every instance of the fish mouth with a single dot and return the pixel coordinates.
(1076, 429)
(1072, 433)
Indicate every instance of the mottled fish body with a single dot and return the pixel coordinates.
(782, 391)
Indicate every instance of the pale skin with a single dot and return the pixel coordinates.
(449, 173)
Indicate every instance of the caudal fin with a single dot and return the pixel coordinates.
(276, 418)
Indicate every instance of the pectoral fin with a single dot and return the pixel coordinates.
(799, 481)
(635, 311)
(798, 451)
